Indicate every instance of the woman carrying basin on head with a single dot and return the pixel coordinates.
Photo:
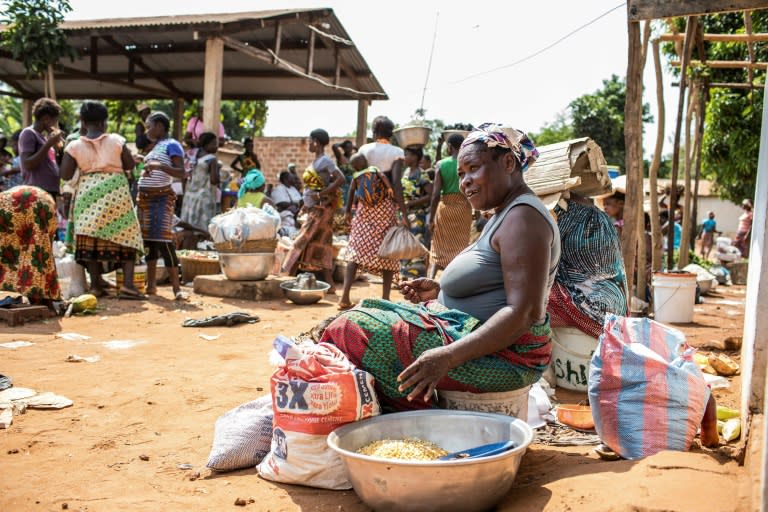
(483, 327)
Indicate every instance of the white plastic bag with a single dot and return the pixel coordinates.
(71, 277)
(242, 224)
(314, 390)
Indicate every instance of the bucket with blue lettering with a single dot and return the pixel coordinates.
(571, 353)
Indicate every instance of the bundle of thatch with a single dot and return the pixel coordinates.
(575, 165)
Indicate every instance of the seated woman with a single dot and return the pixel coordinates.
(287, 200)
(484, 327)
(590, 280)
(251, 191)
(106, 229)
(27, 228)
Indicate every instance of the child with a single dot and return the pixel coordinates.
(368, 185)
(707, 234)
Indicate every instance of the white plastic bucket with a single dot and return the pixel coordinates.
(571, 353)
(512, 403)
(674, 295)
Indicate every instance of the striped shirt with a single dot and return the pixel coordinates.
(163, 152)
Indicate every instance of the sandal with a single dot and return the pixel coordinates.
(181, 296)
(343, 306)
(127, 294)
(606, 453)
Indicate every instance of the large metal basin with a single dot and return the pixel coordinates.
(417, 486)
(412, 136)
(253, 266)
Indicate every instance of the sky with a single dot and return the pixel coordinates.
(476, 74)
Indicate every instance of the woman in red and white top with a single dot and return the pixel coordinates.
(156, 202)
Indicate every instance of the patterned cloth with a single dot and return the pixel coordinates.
(414, 187)
(313, 247)
(384, 337)
(27, 227)
(369, 226)
(102, 208)
(590, 278)
(453, 224)
(156, 206)
(199, 205)
(494, 135)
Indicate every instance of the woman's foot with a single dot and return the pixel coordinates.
(331, 291)
(181, 296)
(152, 291)
(343, 306)
(98, 292)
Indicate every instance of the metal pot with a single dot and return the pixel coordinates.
(464, 485)
(301, 296)
(253, 266)
(412, 136)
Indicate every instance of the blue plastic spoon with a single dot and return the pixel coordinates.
(480, 451)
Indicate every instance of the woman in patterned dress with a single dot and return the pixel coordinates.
(27, 228)
(199, 205)
(105, 226)
(417, 191)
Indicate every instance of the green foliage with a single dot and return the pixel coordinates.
(10, 115)
(557, 131)
(600, 115)
(33, 35)
(732, 142)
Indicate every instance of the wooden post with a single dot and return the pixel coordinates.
(685, 238)
(641, 242)
(702, 110)
(656, 163)
(214, 66)
(634, 157)
(26, 112)
(362, 122)
(690, 29)
(178, 118)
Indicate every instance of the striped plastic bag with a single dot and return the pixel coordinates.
(646, 392)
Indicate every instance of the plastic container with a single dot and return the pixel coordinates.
(571, 353)
(139, 278)
(674, 294)
(512, 403)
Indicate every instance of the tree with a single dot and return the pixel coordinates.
(600, 116)
(732, 121)
(33, 35)
(557, 131)
(10, 115)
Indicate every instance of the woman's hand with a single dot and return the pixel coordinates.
(424, 373)
(420, 290)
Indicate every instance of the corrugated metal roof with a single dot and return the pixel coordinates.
(182, 19)
(164, 56)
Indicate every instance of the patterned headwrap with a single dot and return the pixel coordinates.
(253, 180)
(494, 135)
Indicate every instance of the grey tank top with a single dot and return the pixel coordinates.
(473, 282)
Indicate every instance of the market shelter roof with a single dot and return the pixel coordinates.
(297, 54)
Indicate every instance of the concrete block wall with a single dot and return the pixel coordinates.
(275, 153)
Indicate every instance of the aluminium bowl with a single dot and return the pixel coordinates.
(412, 136)
(414, 486)
(304, 297)
(246, 266)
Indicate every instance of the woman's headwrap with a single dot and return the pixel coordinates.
(252, 181)
(494, 135)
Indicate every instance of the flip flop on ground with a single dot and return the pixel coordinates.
(342, 306)
(127, 294)
(181, 296)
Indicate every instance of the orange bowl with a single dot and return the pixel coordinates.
(576, 416)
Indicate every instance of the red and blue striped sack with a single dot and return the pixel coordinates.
(646, 392)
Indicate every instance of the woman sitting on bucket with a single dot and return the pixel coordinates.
(484, 326)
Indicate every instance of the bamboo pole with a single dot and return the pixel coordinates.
(690, 30)
(634, 156)
(653, 172)
(685, 238)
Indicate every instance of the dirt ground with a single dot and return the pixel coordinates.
(140, 412)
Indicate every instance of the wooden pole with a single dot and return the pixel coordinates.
(214, 66)
(178, 118)
(51, 86)
(362, 122)
(685, 239)
(690, 30)
(656, 163)
(26, 112)
(642, 259)
(701, 114)
(634, 156)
